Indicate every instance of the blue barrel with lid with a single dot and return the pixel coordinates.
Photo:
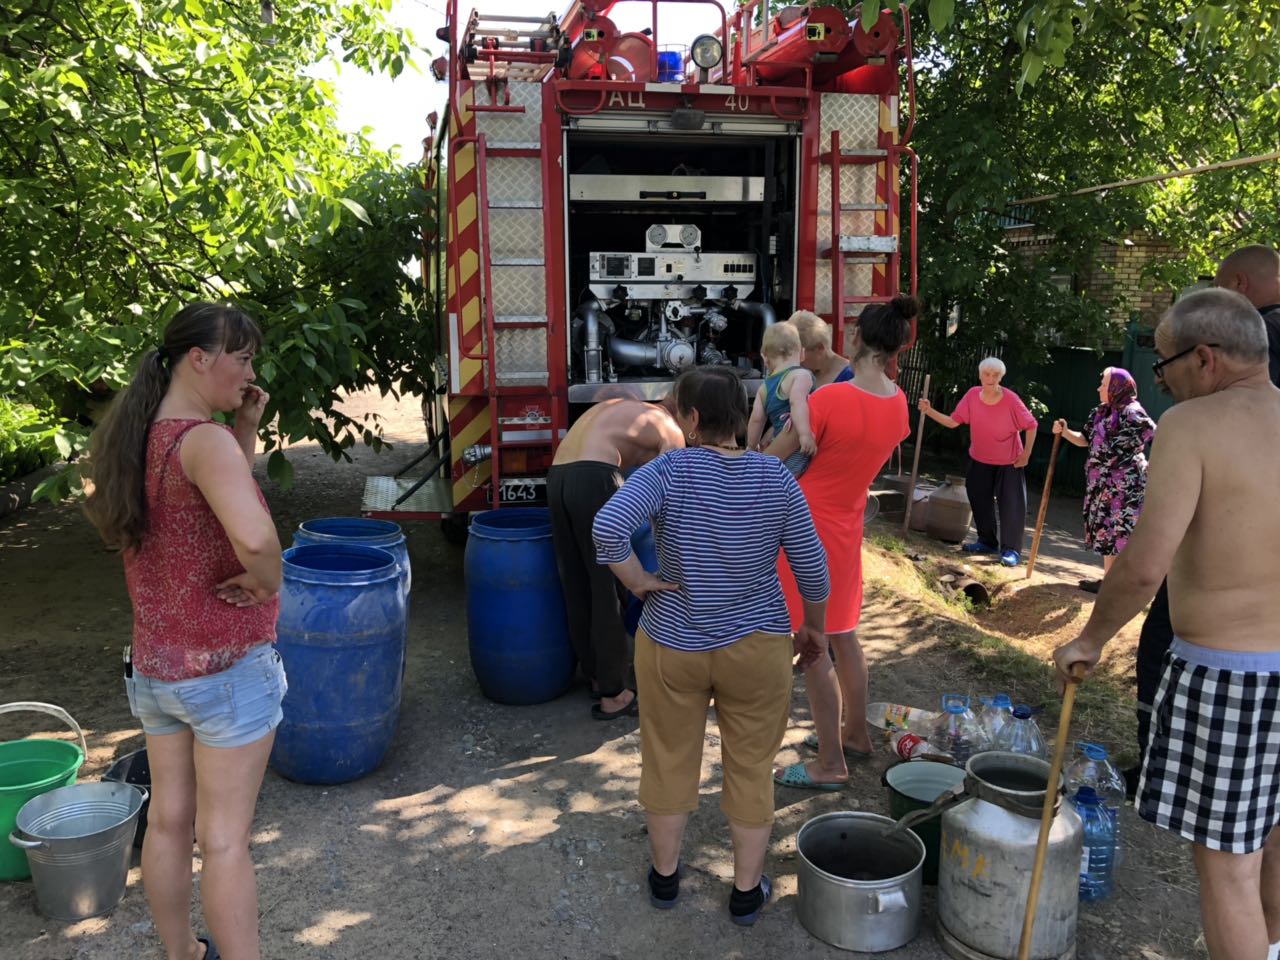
(516, 627)
(364, 532)
(341, 636)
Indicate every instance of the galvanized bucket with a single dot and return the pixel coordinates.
(78, 841)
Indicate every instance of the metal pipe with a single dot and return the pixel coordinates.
(590, 313)
(633, 353)
(760, 311)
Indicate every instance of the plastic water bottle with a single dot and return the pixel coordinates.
(956, 732)
(907, 745)
(1094, 770)
(1097, 858)
(995, 713)
(897, 716)
(1021, 735)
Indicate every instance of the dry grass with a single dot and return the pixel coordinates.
(1010, 642)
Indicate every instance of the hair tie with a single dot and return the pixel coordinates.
(162, 353)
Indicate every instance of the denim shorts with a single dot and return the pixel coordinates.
(230, 709)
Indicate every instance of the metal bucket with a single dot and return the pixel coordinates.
(859, 890)
(29, 768)
(79, 840)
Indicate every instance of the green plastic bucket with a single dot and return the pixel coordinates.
(914, 785)
(29, 768)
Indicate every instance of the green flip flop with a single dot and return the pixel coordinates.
(798, 777)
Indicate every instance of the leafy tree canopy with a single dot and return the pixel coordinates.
(154, 152)
(1123, 91)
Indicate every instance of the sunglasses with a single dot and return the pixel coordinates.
(1159, 365)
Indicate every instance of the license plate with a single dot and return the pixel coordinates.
(522, 491)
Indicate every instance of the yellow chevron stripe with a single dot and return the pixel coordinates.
(468, 370)
(464, 162)
(470, 315)
(471, 481)
(473, 432)
(466, 212)
(468, 264)
(458, 406)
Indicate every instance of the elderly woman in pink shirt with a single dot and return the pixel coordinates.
(997, 419)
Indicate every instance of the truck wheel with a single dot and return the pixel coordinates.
(454, 528)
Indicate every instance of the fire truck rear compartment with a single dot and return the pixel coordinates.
(680, 252)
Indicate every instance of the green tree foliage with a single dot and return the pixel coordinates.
(154, 152)
(1124, 91)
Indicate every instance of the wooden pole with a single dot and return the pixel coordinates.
(1044, 505)
(1046, 812)
(915, 461)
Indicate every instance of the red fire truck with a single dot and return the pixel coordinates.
(618, 209)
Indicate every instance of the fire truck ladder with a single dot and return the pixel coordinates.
(510, 160)
(878, 247)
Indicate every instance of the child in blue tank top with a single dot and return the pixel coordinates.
(783, 397)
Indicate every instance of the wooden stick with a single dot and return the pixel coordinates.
(1046, 812)
(1044, 505)
(915, 461)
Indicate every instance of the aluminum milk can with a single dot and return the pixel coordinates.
(988, 851)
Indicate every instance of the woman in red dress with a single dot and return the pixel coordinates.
(857, 424)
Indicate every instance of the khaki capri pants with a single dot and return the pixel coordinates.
(750, 682)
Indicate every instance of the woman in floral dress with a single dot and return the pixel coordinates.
(1116, 433)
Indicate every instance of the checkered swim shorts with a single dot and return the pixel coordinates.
(1212, 766)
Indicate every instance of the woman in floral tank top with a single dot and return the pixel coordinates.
(174, 491)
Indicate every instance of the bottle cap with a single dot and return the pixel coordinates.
(1022, 711)
(1002, 700)
(1094, 751)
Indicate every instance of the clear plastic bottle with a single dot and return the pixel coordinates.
(1094, 770)
(956, 732)
(1021, 735)
(995, 713)
(907, 745)
(1097, 858)
(897, 716)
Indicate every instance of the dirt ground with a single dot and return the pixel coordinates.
(494, 831)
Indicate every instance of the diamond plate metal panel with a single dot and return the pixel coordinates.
(516, 233)
(521, 354)
(519, 290)
(500, 128)
(514, 180)
(857, 283)
(857, 185)
(855, 115)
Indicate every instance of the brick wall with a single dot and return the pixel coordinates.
(1116, 271)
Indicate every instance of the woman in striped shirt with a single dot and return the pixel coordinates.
(715, 625)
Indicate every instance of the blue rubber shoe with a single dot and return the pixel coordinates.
(1010, 558)
(977, 546)
(747, 919)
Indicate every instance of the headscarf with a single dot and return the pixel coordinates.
(1122, 390)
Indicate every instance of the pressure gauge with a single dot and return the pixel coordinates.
(658, 235)
(689, 235)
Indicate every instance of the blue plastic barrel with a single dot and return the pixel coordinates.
(363, 531)
(341, 636)
(516, 627)
(646, 551)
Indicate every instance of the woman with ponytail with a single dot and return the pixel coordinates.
(857, 423)
(173, 490)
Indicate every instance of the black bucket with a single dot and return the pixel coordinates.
(133, 768)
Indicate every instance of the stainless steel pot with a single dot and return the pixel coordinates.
(859, 889)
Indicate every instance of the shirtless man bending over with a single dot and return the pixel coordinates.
(1211, 772)
(611, 438)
